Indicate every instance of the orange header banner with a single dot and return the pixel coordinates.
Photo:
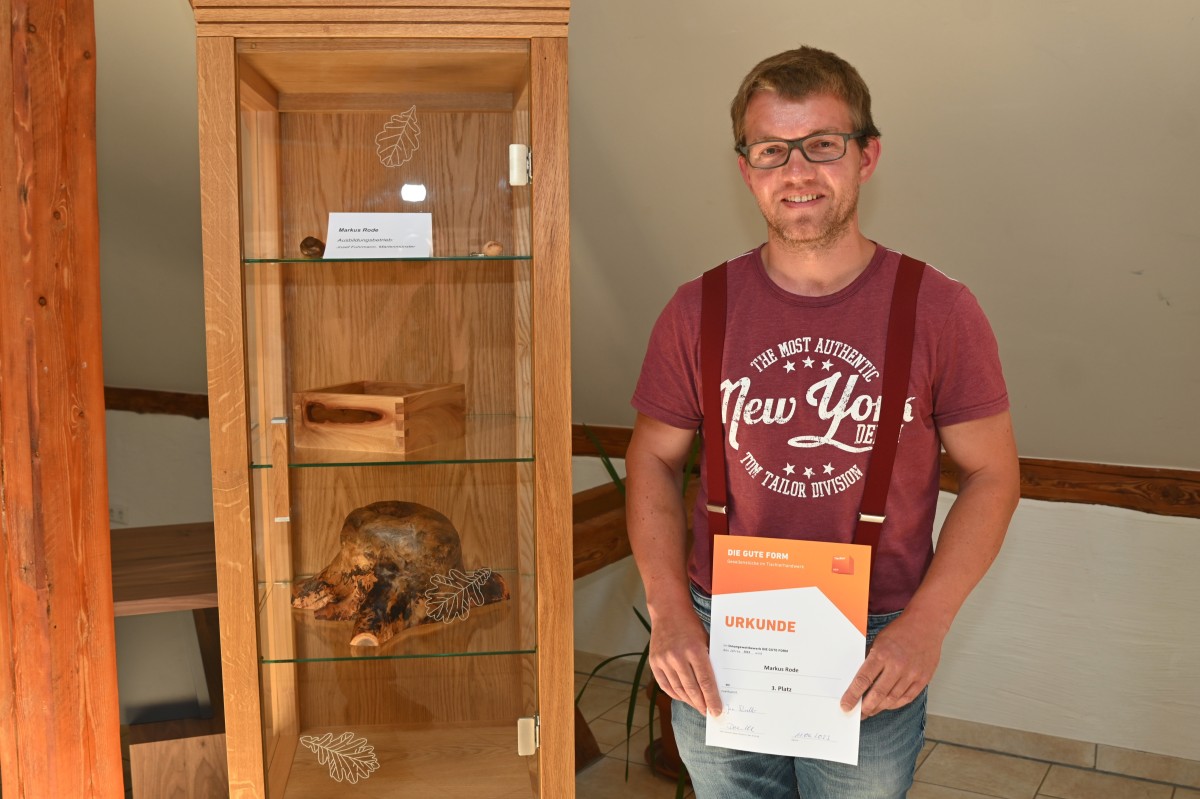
(840, 571)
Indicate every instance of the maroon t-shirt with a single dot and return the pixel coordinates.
(801, 384)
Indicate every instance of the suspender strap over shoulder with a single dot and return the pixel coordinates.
(712, 346)
(897, 365)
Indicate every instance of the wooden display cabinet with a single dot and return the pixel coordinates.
(311, 108)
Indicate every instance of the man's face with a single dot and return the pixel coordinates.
(807, 206)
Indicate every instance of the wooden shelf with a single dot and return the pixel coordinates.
(159, 569)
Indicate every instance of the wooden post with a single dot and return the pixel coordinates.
(60, 732)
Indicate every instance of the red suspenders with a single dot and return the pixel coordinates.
(897, 364)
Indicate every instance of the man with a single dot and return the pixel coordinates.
(806, 326)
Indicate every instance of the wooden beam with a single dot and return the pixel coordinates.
(140, 400)
(599, 525)
(1166, 492)
(58, 675)
(614, 440)
(600, 533)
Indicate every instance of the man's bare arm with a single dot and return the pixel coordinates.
(656, 519)
(904, 656)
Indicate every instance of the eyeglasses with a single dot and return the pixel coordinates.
(819, 148)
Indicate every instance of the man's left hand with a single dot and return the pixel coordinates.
(898, 666)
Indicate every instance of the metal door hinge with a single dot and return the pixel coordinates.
(528, 735)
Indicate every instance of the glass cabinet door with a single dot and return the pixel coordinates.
(390, 405)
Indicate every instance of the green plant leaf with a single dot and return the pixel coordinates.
(633, 695)
(681, 783)
(693, 455)
(642, 619)
(607, 461)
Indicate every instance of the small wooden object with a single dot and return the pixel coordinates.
(385, 571)
(312, 247)
(367, 416)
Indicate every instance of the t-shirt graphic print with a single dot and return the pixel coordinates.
(801, 386)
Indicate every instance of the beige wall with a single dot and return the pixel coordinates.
(1085, 258)
(148, 173)
(1041, 152)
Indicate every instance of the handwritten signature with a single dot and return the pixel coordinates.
(813, 736)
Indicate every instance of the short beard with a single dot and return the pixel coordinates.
(825, 238)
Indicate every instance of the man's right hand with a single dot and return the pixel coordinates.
(679, 660)
(655, 517)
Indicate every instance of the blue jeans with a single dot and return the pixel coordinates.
(889, 743)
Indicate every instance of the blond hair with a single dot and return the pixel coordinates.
(799, 74)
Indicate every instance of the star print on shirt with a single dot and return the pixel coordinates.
(808, 363)
(789, 469)
(827, 365)
(808, 472)
(789, 367)
(828, 468)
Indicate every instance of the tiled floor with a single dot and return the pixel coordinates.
(945, 771)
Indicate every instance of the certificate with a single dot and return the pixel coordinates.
(788, 634)
(378, 235)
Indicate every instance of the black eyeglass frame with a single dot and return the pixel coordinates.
(797, 144)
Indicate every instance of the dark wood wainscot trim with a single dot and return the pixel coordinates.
(1166, 492)
(599, 513)
(140, 400)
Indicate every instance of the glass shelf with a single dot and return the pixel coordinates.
(501, 628)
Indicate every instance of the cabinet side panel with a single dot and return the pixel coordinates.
(552, 434)
(269, 402)
(224, 337)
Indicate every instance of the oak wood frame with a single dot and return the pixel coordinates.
(545, 24)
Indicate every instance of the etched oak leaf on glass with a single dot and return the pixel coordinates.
(399, 138)
(455, 593)
(348, 757)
